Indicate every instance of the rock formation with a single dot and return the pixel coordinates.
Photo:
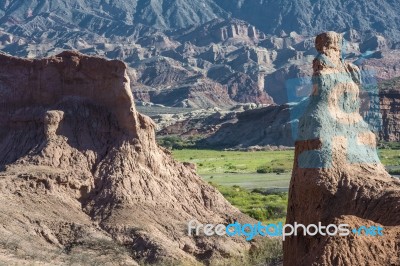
(264, 126)
(337, 176)
(390, 109)
(82, 178)
(269, 46)
(375, 43)
(385, 64)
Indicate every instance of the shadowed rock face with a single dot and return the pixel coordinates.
(83, 177)
(390, 106)
(42, 83)
(337, 176)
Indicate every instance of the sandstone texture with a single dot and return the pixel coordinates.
(82, 179)
(337, 176)
(390, 109)
(263, 126)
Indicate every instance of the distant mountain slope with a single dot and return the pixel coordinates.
(175, 14)
(196, 53)
(313, 16)
(306, 17)
(94, 15)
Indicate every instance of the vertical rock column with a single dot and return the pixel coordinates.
(337, 176)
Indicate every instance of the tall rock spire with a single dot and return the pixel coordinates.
(337, 176)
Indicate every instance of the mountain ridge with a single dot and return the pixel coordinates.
(306, 17)
(215, 60)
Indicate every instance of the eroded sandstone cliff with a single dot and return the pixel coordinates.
(337, 176)
(82, 178)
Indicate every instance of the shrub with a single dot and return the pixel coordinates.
(278, 170)
(267, 252)
(176, 142)
(394, 171)
(389, 145)
(264, 169)
(255, 204)
(270, 252)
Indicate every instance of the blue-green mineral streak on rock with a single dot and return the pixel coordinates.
(333, 110)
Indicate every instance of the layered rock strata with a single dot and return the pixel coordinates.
(82, 179)
(337, 176)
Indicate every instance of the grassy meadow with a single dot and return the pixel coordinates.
(218, 163)
(257, 182)
(214, 162)
(254, 182)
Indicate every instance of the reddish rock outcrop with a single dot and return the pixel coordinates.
(82, 178)
(337, 177)
(385, 64)
(164, 81)
(390, 109)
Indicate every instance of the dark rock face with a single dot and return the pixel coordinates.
(161, 71)
(337, 176)
(390, 108)
(164, 81)
(275, 125)
(243, 89)
(201, 93)
(265, 126)
(81, 171)
(375, 43)
(275, 83)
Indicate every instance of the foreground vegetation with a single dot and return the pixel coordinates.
(269, 252)
(389, 153)
(257, 182)
(229, 168)
(215, 161)
(257, 203)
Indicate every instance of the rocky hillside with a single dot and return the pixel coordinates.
(311, 17)
(198, 53)
(83, 178)
(260, 127)
(110, 17)
(114, 17)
